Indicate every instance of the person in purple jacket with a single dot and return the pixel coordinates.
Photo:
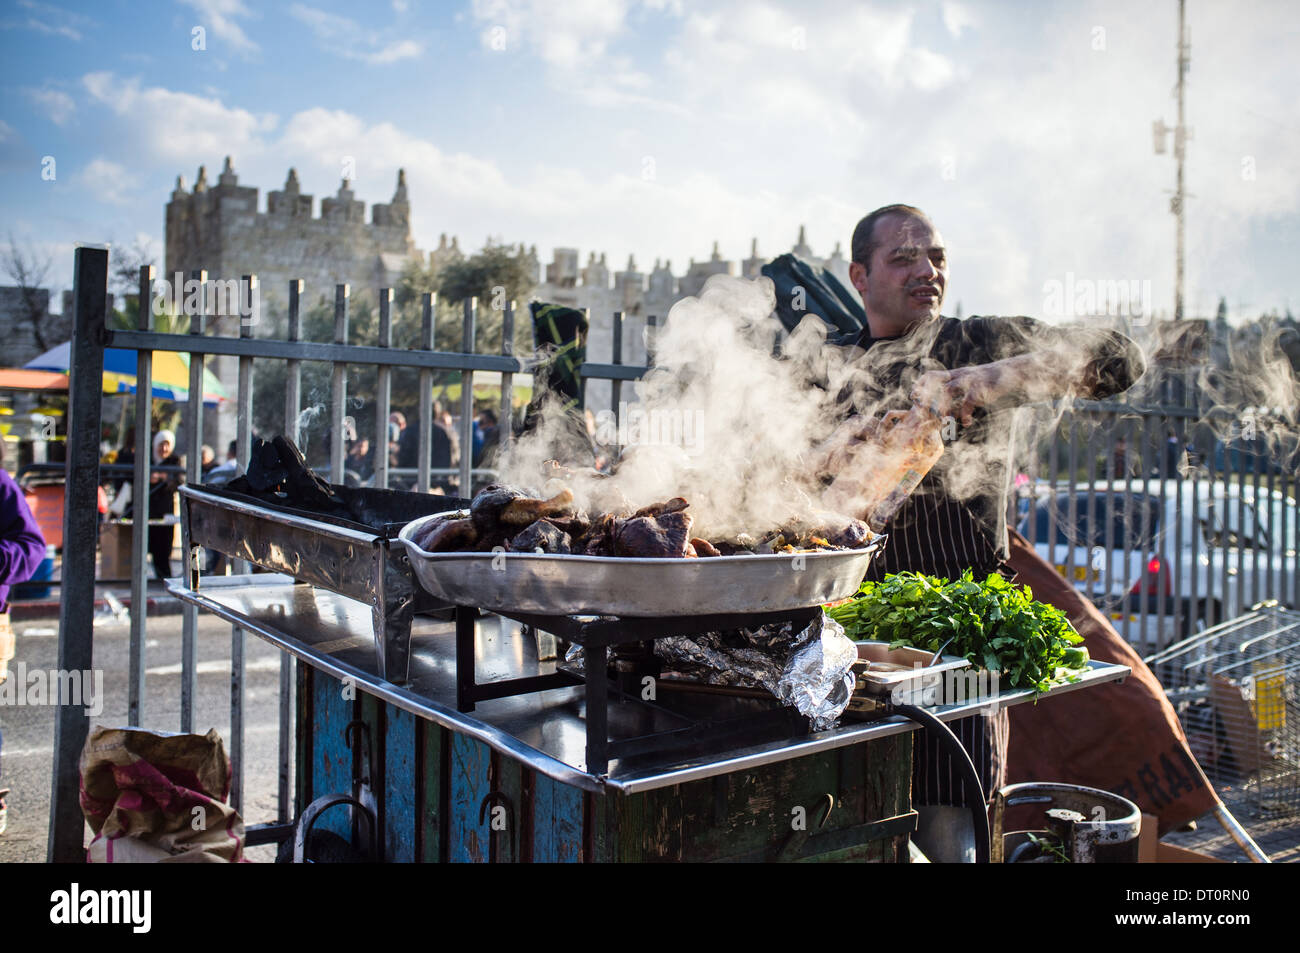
(22, 548)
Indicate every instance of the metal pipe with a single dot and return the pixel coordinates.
(293, 367)
(505, 426)
(424, 436)
(292, 410)
(616, 386)
(338, 387)
(243, 451)
(194, 427)
(80, 525)
(1240, 835)
(467, 402)
(383, 390)
(325, 353)
(140, 494)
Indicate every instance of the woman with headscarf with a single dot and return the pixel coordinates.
(162, 502)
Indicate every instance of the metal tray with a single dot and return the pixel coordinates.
(910, 685)
(636, 588)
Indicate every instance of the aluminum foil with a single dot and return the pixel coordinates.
(817, 680)
(807, 669)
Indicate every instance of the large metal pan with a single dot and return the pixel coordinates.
(633, 588)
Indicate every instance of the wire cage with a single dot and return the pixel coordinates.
(1236, 688)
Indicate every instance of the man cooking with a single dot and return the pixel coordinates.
(969, 372)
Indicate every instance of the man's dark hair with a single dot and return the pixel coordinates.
(864, 245)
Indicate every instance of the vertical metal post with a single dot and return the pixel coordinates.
(243, 449)
(1194, 472)
(1072, 532)
(1257, 537)
(424, 434)
(1179, 449)
(616, 386)
(506, 425)
(293, 367)
(1128, 532)
(383, 390)
(140, 496)
(1241, 533)
(338, 387)
(292, 401)
(1224, 524)
(80, 524)
(467, 403)
(194, 427)
(1092, 571)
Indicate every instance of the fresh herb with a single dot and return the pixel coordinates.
(995, 625)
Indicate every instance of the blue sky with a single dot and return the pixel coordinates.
(656, 127)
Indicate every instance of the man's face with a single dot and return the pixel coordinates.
(908, 276)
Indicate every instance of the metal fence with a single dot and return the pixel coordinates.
(1074, 486)
(91, 335)
(1160, 512)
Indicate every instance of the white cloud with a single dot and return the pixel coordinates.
(195, 127)
(58, 105)
(6, 131)
(221, 17)
(46, 18)
(956, 17)
(108, 181)
(344, 37)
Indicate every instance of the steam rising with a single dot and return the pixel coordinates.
(750, 428)
(747, 421)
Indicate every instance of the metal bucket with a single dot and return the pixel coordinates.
(1083, 826)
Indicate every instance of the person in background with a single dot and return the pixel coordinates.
(207, 460)
(226, 471)
(22, 549)
(162, 502)
(444, 449)
(489, 436)
(125, 457)
(358, 459)
(396, 427)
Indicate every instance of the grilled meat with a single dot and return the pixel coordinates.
(541, 537)
(518, 519)
(444, 536)
(666, 536)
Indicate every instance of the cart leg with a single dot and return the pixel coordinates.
(595, 661)
(464, 658)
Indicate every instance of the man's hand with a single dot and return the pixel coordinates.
(957, 393)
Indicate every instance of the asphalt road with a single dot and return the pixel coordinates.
(26, 762)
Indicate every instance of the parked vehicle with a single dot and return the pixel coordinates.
(1161, 564)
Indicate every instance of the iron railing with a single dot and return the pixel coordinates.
(1074, 467)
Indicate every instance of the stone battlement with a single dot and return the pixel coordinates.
(222, 229)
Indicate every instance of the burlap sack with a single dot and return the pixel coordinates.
(157, 797)
(1124, 738)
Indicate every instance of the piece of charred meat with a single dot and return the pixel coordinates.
(703, 547)
(444, 536)
(852, 535)
(599, 539)
(485, 510)
(542, 536)
(675, 505)
(661, 537)
(523, 511)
